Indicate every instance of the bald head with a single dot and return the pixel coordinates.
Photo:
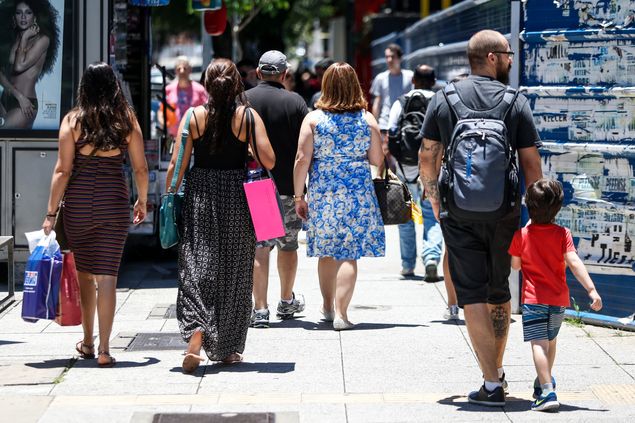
(482, 43)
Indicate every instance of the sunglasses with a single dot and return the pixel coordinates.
(509, 53)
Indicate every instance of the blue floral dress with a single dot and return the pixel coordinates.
(344, 219)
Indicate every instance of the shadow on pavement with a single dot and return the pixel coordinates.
(80, 363)
(323, 325)
(244, 367)
(512, 405)
(521, 405)
(459, 322)
(9, 342)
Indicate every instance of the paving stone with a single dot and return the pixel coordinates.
(12, 408)
(30, 373)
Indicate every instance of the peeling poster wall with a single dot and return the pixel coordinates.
(578, 71)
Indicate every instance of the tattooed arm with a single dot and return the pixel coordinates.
(430, 156)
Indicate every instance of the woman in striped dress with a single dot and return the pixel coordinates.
(94, 138)
(217, 249)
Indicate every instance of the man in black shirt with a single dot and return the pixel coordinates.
(479, 262)
(282, 112)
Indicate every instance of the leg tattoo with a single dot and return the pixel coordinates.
(500, 320)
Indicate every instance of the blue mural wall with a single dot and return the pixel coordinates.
(578, 71)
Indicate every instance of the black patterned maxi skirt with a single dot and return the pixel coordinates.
(216, 261)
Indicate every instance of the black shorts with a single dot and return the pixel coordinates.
(478, 258)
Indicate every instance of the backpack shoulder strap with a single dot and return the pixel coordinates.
(457, 107)
(502, 109)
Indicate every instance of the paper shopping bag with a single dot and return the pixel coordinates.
(41, 281)
(264, 208)
(69, 310)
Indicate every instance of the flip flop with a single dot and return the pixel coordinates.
(191, 362)
(233, 358)
(79, 347)
(111, 362)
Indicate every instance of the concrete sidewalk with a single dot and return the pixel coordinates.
(402, 363)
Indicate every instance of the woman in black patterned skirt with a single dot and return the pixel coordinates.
(216, 252)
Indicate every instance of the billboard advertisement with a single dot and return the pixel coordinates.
(35, 78)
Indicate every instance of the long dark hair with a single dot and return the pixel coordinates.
(47, 20)
(102, 111)
(225, 92)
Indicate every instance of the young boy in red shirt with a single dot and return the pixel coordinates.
(542, 250)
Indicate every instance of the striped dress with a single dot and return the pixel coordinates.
(97, 212)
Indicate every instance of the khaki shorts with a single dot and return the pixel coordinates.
(292, 226)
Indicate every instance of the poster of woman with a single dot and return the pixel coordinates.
(31, 64)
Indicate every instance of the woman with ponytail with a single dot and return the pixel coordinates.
(93, 140)
(217, 247)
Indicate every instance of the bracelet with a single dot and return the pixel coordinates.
(51, 215)
(297, 198)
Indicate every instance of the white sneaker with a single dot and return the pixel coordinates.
(451, 313)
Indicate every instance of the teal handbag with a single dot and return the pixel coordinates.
(172, 202)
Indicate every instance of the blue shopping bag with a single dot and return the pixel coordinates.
(42, 281)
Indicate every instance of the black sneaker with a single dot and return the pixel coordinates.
(495, 398)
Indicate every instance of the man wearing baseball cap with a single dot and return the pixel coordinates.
(282, 112)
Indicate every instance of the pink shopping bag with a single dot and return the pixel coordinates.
(264, 208)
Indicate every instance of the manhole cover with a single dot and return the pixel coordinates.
(225, 418)
(157, 342)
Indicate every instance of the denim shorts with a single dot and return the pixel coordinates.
(541, 321)
(292, 226)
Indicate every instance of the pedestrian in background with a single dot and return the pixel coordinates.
(478, 258)
(282, 113)
(247, 70)
(341, 211)
(182, 93)
(216, 251)
(386, 89)
(320, 67)
(416, 100)
(93, 140)
(542, 250)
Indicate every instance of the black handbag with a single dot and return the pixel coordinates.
(60, 234)
(395, 200)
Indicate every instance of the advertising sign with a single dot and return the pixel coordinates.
(35, 83)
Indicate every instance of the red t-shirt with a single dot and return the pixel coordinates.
(541, 249)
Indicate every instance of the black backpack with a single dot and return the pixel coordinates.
(479, 176)
(405, 141)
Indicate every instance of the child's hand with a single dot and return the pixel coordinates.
(596, 301)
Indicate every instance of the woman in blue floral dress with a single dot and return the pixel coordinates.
(343, 219)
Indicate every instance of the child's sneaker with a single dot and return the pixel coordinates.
(495, 398)
(286, 311)
(538, 389)
(547, 402)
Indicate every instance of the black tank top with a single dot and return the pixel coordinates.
(232, 154)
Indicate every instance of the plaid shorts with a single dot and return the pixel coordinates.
(292, 226)
(541, 321)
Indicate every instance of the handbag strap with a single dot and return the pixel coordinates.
(251, 136)
(185, 133)
(76, 174)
